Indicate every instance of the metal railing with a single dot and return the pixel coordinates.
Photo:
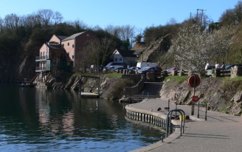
(158, 121)
(169, 125)
(42, 57)
(41, 69)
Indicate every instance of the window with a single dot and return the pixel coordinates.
(73, 46)
(68, 44)
(72, 56)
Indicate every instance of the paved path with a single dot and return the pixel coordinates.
(220, 133)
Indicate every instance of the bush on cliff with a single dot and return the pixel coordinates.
(115, 87)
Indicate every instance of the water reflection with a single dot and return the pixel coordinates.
(62, 120)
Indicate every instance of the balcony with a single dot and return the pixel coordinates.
(41, 58)
(43, 66)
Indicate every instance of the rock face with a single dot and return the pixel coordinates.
(236, 108)
(153, 47)
(109, 88)
(211, 90)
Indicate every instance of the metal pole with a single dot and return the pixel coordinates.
(176, 108)
(99, 85)
(167, 125)
(206, 111)
(192, 110)
(198, 109)
(168, 105)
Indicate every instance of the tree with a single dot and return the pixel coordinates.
(11, 21)
(232, 16)
(112, 30)
(1, 24)
(194, 46)
(138, 38)
(124, 33)
(57, 18)
(46, 16)
(97, 51)
(219, 42)
(153, 33)
(188, 47)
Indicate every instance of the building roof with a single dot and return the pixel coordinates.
(54, 46)
(73, 36)
(126, 53)
(61, 37)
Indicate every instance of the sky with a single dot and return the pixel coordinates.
(138, 13)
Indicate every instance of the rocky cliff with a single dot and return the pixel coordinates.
(221, 94)
(110, 88)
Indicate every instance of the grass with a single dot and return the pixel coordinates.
(239, 78)
(178, 79)
(109, 75)
(113, 75)
(232, 84)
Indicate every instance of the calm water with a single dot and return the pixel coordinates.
(38, 120)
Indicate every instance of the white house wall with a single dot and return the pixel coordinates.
(117, 58)
(44, 51)
(54, 38)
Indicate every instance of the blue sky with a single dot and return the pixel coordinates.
(138, 13)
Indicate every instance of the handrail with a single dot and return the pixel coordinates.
(168, 121)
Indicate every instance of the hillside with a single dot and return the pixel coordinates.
(225, 95)
(20, 45)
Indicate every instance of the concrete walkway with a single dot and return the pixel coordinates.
(220, 133)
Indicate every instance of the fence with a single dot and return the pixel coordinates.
(157, 119)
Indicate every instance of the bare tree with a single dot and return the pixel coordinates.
(112, 30)
(80, 25)
(31, 20)
(124, 33)
(46, 16)
(1, 24)
(57, 17)
(11, 21)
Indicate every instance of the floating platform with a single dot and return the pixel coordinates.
(89, 95)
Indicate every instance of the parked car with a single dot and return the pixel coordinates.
(156, 70)
(210, 70)
(172, 69)
(114, 66)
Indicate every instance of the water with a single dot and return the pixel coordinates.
(36, 120)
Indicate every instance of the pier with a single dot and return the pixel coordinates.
(89, 95)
